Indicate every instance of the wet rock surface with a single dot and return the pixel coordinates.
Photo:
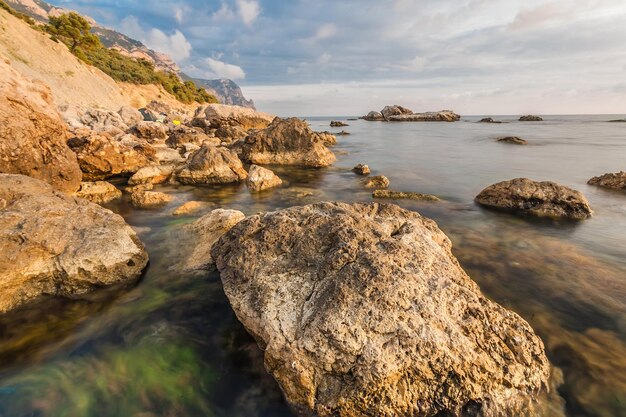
(378, 181)
(362, 310)
(612, 181)
(143, 199)
(99, 192)
(512, 140)
(542, 199)
(361, 169)
(52, 244)
(212, 165)
(260, 179)
(404, 195)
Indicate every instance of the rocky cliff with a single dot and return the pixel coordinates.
(226, 91)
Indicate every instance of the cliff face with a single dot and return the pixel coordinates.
(226, 91)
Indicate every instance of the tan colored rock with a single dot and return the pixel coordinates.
(149, 199)
(150, 131)
(212, 165)
(184, 135)
(394, 110)
(616, 181)
(379, 181)
(190, 207)
(543, 199)
(32, 133)
(99, 192)
(361, 169)
(55, 245)
(402, 195)
(327, 138)
(231, 133)
(338, 123)
(286, 142)
(154, 174)
(260, 179)
(242, 116)
(363, 310)
(165, 155)
(439, 116)
(130, 115)
(198, 238)
(100, 157)
(373, 116)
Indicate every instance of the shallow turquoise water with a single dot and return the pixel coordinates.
(170, 345)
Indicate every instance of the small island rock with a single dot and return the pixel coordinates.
(613, 181)
(361, 169)
(530, 118)
(513, 140)
(379, 181)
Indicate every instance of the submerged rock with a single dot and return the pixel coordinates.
(286, 142)
(488, 120)
(149, 199)
(200, 236)
(379, 181)
(513, 140)
(618, 121)
(616, 181)
(190, 207)
(52, 244)
(32, 133)
(543, 199)
(343, 133)
(154, 174)
(399, 195)
(327, 138)
(361, 169)
(212, 165)
(99, 192)
(362, 310)
(530, 118)
(260, 179)
(336, 123)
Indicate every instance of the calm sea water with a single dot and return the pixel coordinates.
(171, 346)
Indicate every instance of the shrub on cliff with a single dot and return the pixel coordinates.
(17, 14)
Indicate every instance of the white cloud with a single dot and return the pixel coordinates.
(224, 13)
(174, 45)
(248, 10)
(326, 31)
(220, 69)
(324, 58)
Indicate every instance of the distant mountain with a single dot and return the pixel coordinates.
(226, 91)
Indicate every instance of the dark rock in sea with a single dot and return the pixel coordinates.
(336, 123)
(373, 116)
(530, 118)
(513, 140)
(363, 310)
(400, 195)
(56, 245)
(361, 169)
(618, 121)
(342, 133)
(612, 181)
(489, 120)
(543, 199)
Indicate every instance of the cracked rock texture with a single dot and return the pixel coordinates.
(362, 310)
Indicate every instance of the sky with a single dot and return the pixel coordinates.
(347, 57)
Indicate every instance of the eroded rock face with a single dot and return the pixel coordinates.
(362, 310)
(101, 157)
(154, 174)
(52, 244)
(616, 181)
(374, 116)
(212, 165)
(286, 142)
(327, 138)
(394, 110)
(438, 116)
(150, 131)
(99, 192)
(149, 199)
(260, 179)
(378, 181)
(32, 133)
(240, 116)
(361, 169)
(543, 199)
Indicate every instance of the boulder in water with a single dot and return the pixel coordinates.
(512, 140)
(212, 165)
(363, 310)
(260, 179)
(99, 192)
(530, 118)
(379, 181)
(56, 245)
(612, 181)
(543, 199)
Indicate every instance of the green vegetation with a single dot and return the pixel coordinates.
(17, 14)
(75, 31)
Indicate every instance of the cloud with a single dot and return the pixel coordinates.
(248, 10)
(174, 45)
(326, 31)
(220, 69)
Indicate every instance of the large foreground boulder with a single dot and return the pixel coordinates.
(362, 310)
(212, 165)
(32, 133)
(616, 181)
(287, 142)
(53, 244)
(543, 199)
